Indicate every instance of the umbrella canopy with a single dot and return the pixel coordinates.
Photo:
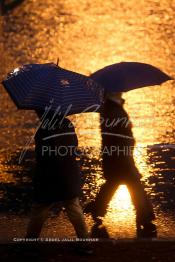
(125, 76)
(34, 86)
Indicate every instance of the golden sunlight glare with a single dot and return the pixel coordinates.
(121, 199)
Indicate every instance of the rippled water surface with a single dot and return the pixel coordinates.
(87, 35)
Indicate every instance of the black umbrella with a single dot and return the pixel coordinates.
(125, 76)
(34, 86)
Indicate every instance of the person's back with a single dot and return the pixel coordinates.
(57, 174)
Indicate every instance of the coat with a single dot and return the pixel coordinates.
(117, 151)
(57, 176)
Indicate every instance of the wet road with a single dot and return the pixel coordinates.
(86, 36)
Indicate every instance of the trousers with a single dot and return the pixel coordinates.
(74, 212)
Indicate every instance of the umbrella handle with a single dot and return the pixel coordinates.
(58, 60)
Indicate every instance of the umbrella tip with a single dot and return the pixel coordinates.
(170, 77)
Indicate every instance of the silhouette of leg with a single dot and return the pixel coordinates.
(144, 209)
(104, 196)
(143, 206)
(37, 219)
(76, 217)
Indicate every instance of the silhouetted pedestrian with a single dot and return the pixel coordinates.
(119, 166)
(57, 176)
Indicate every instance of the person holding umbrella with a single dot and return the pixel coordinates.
(116, 129)
(119, 166)
(57, 177)
(54, 93)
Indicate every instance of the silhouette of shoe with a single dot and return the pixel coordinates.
(99, 231)
(147, 230)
